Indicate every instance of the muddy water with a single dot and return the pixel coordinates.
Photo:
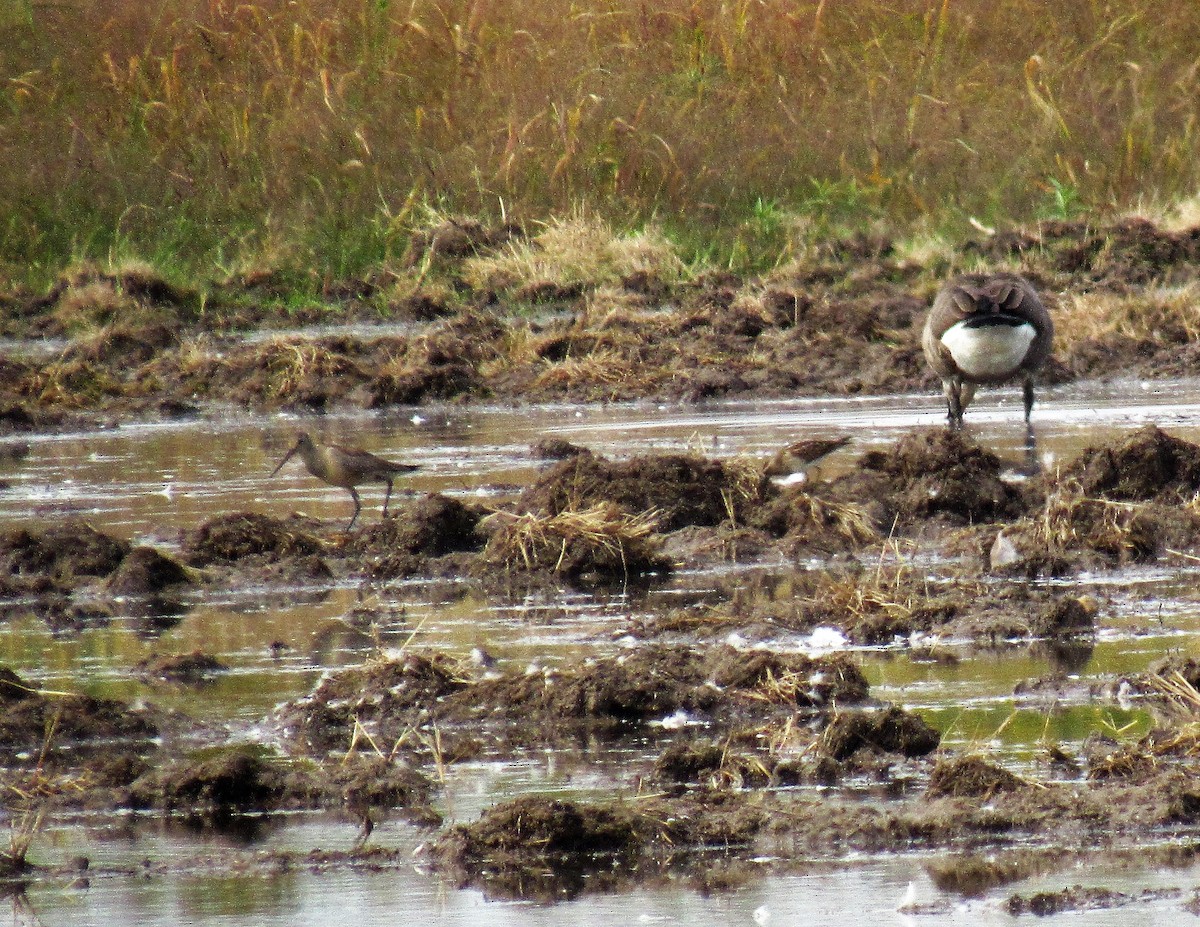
(149, 483)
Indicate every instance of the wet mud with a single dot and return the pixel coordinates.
(841, 320)
(751, 746)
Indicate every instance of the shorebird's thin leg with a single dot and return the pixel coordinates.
(386, 496)
(357, 507)
(1033, 462)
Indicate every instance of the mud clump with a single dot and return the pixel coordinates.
(930, 474)
(611, 696)
(145, 571)
(389, 695)
(232, 780)
(682, 489)
(893, 730)
(534, 847)
(971, 777)
(62, 553)
(1077, 898)
(433, 526)
(240, 535)
(62, 725)
(1074, 532)
(189, 668)
(598, 545)
(1147, 465)
(793, 679)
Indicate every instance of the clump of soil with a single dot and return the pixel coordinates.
(62, 553)
(231, 780)
(549, 848)
(611, 696)
(238, 535)
(680, 489)
(938, 473)
(145, 571)
(1074, 532)
(189, 668)
(971, 777)
(432, 526)
(1076, 898)
(63, 725)
(893, 730)
(456, 238)
(1144, 466)
(599, 544)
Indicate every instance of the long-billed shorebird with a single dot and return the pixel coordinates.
(986, 329)
(346, 467)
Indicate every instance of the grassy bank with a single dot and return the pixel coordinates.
(212, 137)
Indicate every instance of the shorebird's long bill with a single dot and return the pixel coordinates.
(286, 458)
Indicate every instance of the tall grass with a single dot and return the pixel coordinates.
(211, 134)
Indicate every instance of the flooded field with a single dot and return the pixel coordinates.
(151, 484)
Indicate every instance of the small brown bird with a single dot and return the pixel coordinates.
(798, 457)
(345, 467)
(984, 329)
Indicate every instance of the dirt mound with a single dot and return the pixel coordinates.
(1076, 898)
(443, 363)
(62, 553)
(146, 571)
(190, 668)
(233, 780)
(391, 695)
(793, 678)
(598, 545)
(1146, 465)
(611, 696)
(456, 238)
(928, 474)
(893, 730)
(234, 537)
(534, 847)
(1076, 532)
(432, 525)
(62, 724)
(971, 777)
(682, 489)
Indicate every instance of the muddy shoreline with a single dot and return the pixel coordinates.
(754, 751)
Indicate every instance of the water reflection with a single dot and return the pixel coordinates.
(150, 483)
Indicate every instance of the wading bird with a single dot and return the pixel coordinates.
(346, 467)
(795, 460)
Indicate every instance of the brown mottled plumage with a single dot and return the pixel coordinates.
(983, 329)
(799, 456)
(346, 467)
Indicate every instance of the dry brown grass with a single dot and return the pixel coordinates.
(1070, 521)
(1158, 315)
(224, 134)
(290, 363)
(583, 251)
(602, 533)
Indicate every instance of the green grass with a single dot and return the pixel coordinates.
(220, 136)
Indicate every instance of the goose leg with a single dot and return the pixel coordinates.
(954, 405)
(1028, 391)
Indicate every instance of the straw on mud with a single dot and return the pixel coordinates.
(1178, 690)
(531, 538)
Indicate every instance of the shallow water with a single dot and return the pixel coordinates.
(150, 482)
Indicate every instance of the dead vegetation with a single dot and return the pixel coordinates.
(601, 541)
